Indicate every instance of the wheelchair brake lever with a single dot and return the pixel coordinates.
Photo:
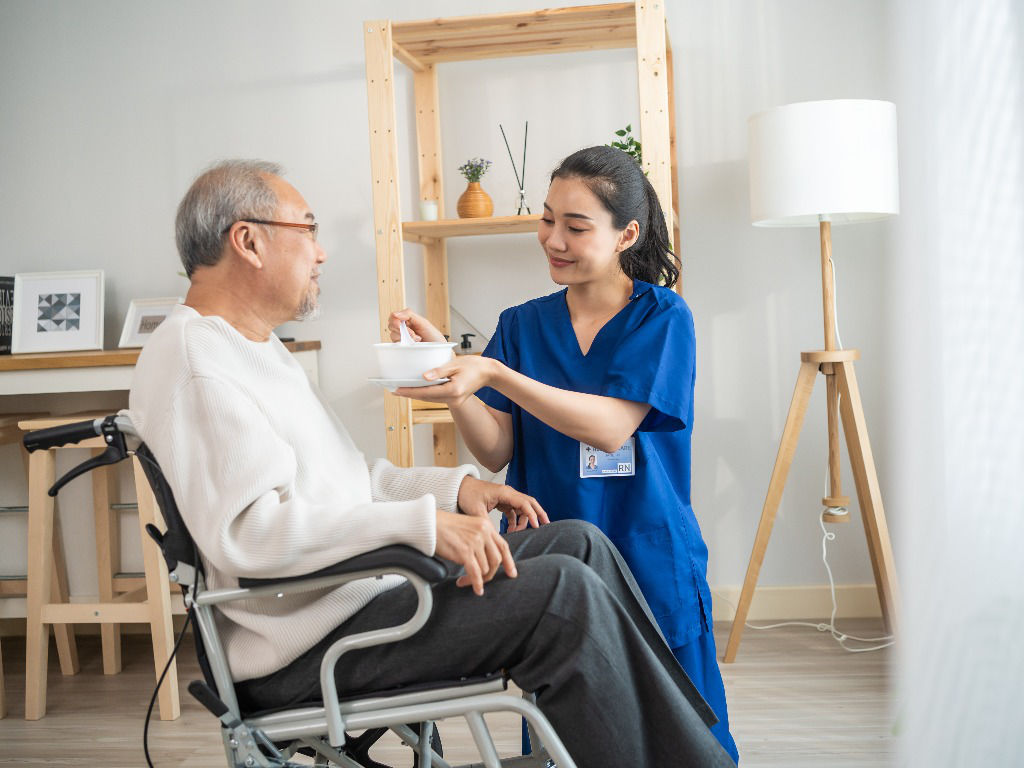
(116, 451)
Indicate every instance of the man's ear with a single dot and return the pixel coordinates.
(628, 236)
(244, 240)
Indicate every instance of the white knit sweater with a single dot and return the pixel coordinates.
(270, 484)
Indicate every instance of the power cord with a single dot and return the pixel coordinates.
(830, 627)
(835, 304)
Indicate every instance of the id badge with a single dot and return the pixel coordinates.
(595, 463)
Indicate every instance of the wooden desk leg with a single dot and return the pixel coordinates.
(67, 649)
(107, 545)
(868, 494)
(787, 447)
(158, 597)
(40, 574)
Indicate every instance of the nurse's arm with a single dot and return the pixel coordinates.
(603, 422)
(486, 431)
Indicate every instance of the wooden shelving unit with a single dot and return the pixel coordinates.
(425, 231)
(421, 46)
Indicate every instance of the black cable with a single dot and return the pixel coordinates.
(152, 701)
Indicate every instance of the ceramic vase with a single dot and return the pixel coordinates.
(474, 202)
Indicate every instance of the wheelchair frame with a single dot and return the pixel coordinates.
(254, 741)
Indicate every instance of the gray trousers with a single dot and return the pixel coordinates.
(573, 628)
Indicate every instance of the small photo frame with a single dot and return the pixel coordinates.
(144, 315)
(57, 311)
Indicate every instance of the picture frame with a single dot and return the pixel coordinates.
(143, 317)
(6, 313)
(57, 311)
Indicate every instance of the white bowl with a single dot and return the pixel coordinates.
(410, 361)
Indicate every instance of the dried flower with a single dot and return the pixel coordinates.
(474, 168)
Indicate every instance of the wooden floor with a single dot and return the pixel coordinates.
(795, 700)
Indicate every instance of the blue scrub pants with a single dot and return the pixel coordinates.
(699, 659)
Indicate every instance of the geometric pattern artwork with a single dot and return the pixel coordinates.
(59, 312)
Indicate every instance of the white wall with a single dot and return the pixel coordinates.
(110, 108)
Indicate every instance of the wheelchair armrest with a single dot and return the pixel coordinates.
(430, 569)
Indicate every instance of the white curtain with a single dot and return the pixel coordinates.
(955, 437)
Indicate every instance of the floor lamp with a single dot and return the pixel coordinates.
(821, 163)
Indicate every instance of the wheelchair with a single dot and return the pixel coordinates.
(321, 728)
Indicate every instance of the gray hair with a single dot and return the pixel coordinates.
(224, 193)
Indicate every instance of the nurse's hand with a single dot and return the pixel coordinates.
(419, 327)
(473, 543)
(468, 373)
(478, 497)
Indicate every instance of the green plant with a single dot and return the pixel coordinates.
(474, 168)
(629, 145)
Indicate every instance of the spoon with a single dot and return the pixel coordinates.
(406, 336)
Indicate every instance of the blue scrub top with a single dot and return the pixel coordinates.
(645, 354)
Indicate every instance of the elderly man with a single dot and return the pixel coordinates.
(270, 484)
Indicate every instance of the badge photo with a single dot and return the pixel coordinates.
(597, 463)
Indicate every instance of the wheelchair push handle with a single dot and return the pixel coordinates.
(112, 429)
(55, 437)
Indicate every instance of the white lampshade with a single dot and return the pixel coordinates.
(835, 159)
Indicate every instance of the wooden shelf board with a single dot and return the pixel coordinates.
(505, 35)
(430, 413)
(423, 405)
(477, 51)
(99, 357)
(516, 34)
(88, 359)
(526, 23)
(417, 231)
(432, 417)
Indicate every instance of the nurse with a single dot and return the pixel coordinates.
(587, 395)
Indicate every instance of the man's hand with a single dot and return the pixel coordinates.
(473, 543)
(477, 498)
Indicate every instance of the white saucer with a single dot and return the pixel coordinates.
(392, 384)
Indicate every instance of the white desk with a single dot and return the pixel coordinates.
(99, 371)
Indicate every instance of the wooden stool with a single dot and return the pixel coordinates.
(150, 603)
(17, 587)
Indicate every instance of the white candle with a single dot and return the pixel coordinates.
(428, 210)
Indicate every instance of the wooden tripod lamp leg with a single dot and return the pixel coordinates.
(868, 494)
(787, 447)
